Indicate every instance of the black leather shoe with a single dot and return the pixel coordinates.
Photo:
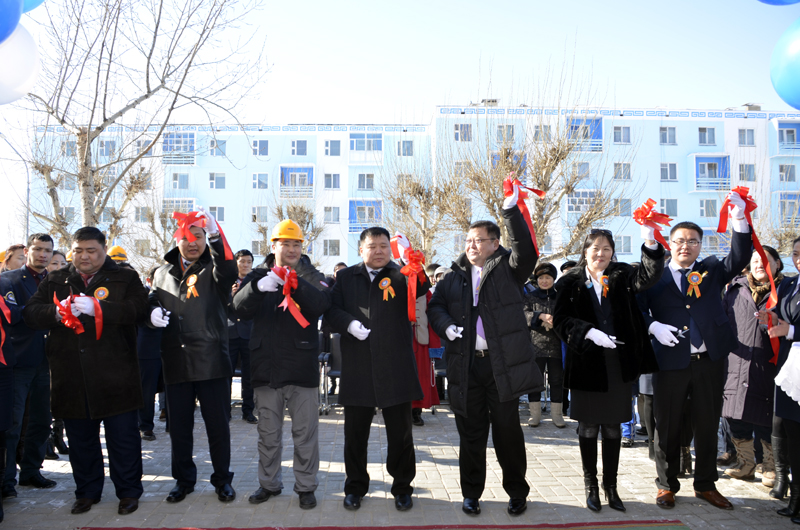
(38, 481)
(517, 506)
(127, 505)
(148, 436)
(262, 495)
(307, 500)
(250, 419)
(471, 506)
(352, 502)
(225, 493)
(593, 498)
(8, 491)
(83, 505)
(179, 493)
(403, 502)
(612, 496)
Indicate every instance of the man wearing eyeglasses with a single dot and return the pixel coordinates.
(692, 338)
(478, 311)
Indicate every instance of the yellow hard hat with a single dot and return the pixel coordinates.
(69, 256)
(2, 256)
(287, 229)
(117, 253)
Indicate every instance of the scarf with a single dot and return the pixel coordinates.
(758, 289)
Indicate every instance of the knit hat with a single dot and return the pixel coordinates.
(545, 268)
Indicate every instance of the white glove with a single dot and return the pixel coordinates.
(512, 199)
(84, 305)
(737, 212)
(158, 318)
(648, 233)
(453, 332)
(212, 228)
(663, 333)
(403, 243)
(269, 283)
(74, 308)
(601, 339)
(358, 330)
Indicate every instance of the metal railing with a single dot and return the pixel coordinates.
(297, 192)
(712, 183)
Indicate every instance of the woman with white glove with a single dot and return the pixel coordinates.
(608, 348)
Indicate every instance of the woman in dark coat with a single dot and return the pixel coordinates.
(608, 348)
(750, 383)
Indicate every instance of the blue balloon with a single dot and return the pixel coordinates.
(779, 2)
(28, 5)
(10, 13)
(784, 68)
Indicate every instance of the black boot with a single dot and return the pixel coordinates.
(58, 437)
(49, 449)
(794, 501)
(611, 448)
(416, 417)
(781, 468)
(588, 447)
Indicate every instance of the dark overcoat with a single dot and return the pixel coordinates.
(750, 383)
(380, 371)
(17, 287)
(282, 352)
(788, 309)
(103, 373)
(575, 315)
(501, 303)
(542, 302)
(194, 346)
(6, 380)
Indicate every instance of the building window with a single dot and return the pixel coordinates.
(541, 133)
(708, 208)
(331, 181)
(708, 170)
(180, 181)
(144, 146)
(366, 142)
(622, 135)
(365, 214)
(331, 214)
(107, 215)
(177, 205)
(787, 136)
(789, 208)
(505, 133)
(459, 243)
(581, 169)
(216, 181)
(68, 148)
(580, 201)
(261, 147)
(330, 247)
(142, 247)
(405, 148)
(463, 132)
(107, 147)
(622, 171)
(67, 213)
(299, 147)
(333, 147)
(747, 172)
(669, 207)
(669, 172)
(260, 214)
(707, 136)
(622, 244)
(297, 180)
(178, 143)
(142, 214)
(259, 248)
(366, 181)
(747, 137)
(67, 182)
(622, 207)
(217, 147)
(259, 181)
(218, 212)
(787, 173)
(667, 135)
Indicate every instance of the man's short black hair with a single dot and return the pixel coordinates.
(89, 233)
(151, 274)
(44, 238)
(375, 231)
(340, 264)
(490, 226)
(243, 252)
(430, 269)
(686, 225)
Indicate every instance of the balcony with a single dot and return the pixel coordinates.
(789, 147)
(594, 146)
(713, 184)
(359, 224)
(366, 158)
(297, 192)
(178, 159)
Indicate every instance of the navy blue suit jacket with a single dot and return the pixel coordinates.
(17, 287)
(666, 303)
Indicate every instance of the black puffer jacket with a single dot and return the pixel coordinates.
(282, 352)
(194, 346)
(502, 311)
(542, 302)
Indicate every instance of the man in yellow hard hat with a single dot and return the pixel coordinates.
(284, 364)
(117, 253)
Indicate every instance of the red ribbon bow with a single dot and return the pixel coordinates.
(749, 206)
(72, 322)
(289, 278)
(188, 220)
(645, 216)
(414, 270)
(6, 313)
(508, 191)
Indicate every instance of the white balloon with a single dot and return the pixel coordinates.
(19, 65)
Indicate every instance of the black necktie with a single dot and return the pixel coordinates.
(695, 337)
(372, 274)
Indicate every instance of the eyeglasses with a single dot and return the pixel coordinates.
(690, 243)
(602, 232)
(478, 242)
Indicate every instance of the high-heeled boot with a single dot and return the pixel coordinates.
(781, 468)
(611, 449)
(588, 447)
(58, 437)
(794, 502)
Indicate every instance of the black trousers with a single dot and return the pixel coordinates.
(150, 370)
(792, 429)
(484, 409)
(214, 396)
(124, 447)
(645, 406)
(400, 458)
(703, 382)
(555, 379)
(239, 348)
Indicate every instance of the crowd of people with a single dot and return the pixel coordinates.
(697, 342)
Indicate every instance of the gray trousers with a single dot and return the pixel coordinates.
(303, 404)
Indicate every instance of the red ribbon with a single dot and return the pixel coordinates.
(289, 278)
(751, 205)
(188, 220)
(646, 216)
(414, 270)
(6, 313)
(508, 191)
(72, 322)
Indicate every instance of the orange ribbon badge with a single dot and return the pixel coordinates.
(386, 286)
(604, 281)
(192, 291)
(645, 216)
(508, 191)
(695, 279)
(290, 283)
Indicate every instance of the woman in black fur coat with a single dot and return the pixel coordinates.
(608, 347)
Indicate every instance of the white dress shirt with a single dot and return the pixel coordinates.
(675, 269)
(480, 342)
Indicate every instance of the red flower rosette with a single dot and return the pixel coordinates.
(415, 272)
(508, 191)
(290, 283)
(646, 216)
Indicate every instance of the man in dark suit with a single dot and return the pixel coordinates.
(148, 346)
(239, 338)
(692, 339)
(370, 310)
(32, 371)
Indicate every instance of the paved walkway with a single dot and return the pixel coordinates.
(554, 472)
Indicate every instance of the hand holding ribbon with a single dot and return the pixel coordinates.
(70, 319)
(415, 272)
(646, 216)
(290, 283)
(203, 220)
(508, 190)
(7, 314)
